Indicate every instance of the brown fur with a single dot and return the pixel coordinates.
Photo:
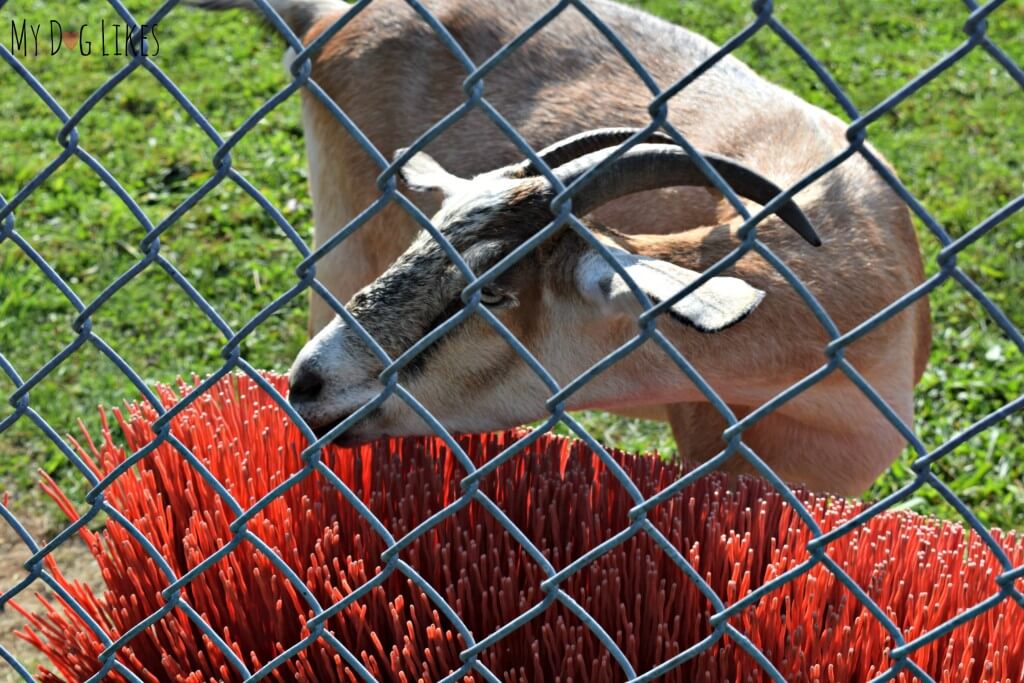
(394, 78)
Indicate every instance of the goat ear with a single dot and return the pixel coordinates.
(423, 174)
(714, 306)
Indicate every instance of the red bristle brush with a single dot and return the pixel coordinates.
(921, 572)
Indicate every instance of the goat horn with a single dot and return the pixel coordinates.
(650, 167)
(575, 146)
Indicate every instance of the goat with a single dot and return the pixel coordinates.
(569, 307)
(565, 79)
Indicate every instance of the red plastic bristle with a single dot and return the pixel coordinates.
(921, 572)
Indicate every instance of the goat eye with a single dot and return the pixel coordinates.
(490, 297)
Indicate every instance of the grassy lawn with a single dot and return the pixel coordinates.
(956, 144)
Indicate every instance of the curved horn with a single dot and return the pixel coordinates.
(575, 146)
(650, 167)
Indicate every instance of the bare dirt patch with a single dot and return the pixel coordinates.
(75, 563)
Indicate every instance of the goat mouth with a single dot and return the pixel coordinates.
(347, 438)
(321, 430)
(361, 431)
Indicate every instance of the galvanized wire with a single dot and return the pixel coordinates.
(475, 99)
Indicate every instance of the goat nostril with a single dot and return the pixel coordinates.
(304, 386)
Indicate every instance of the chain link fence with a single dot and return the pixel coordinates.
(88, 335)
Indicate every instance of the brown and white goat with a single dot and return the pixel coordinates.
(394, 78)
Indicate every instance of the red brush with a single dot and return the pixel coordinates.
(921, 572)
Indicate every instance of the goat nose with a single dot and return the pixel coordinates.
(304, 385)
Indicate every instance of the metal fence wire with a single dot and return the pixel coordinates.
(475, 98)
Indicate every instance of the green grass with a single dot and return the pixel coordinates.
(956, 144)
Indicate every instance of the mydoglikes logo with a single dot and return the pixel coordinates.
(105, 39)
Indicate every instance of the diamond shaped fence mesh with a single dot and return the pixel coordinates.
(149, 258)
